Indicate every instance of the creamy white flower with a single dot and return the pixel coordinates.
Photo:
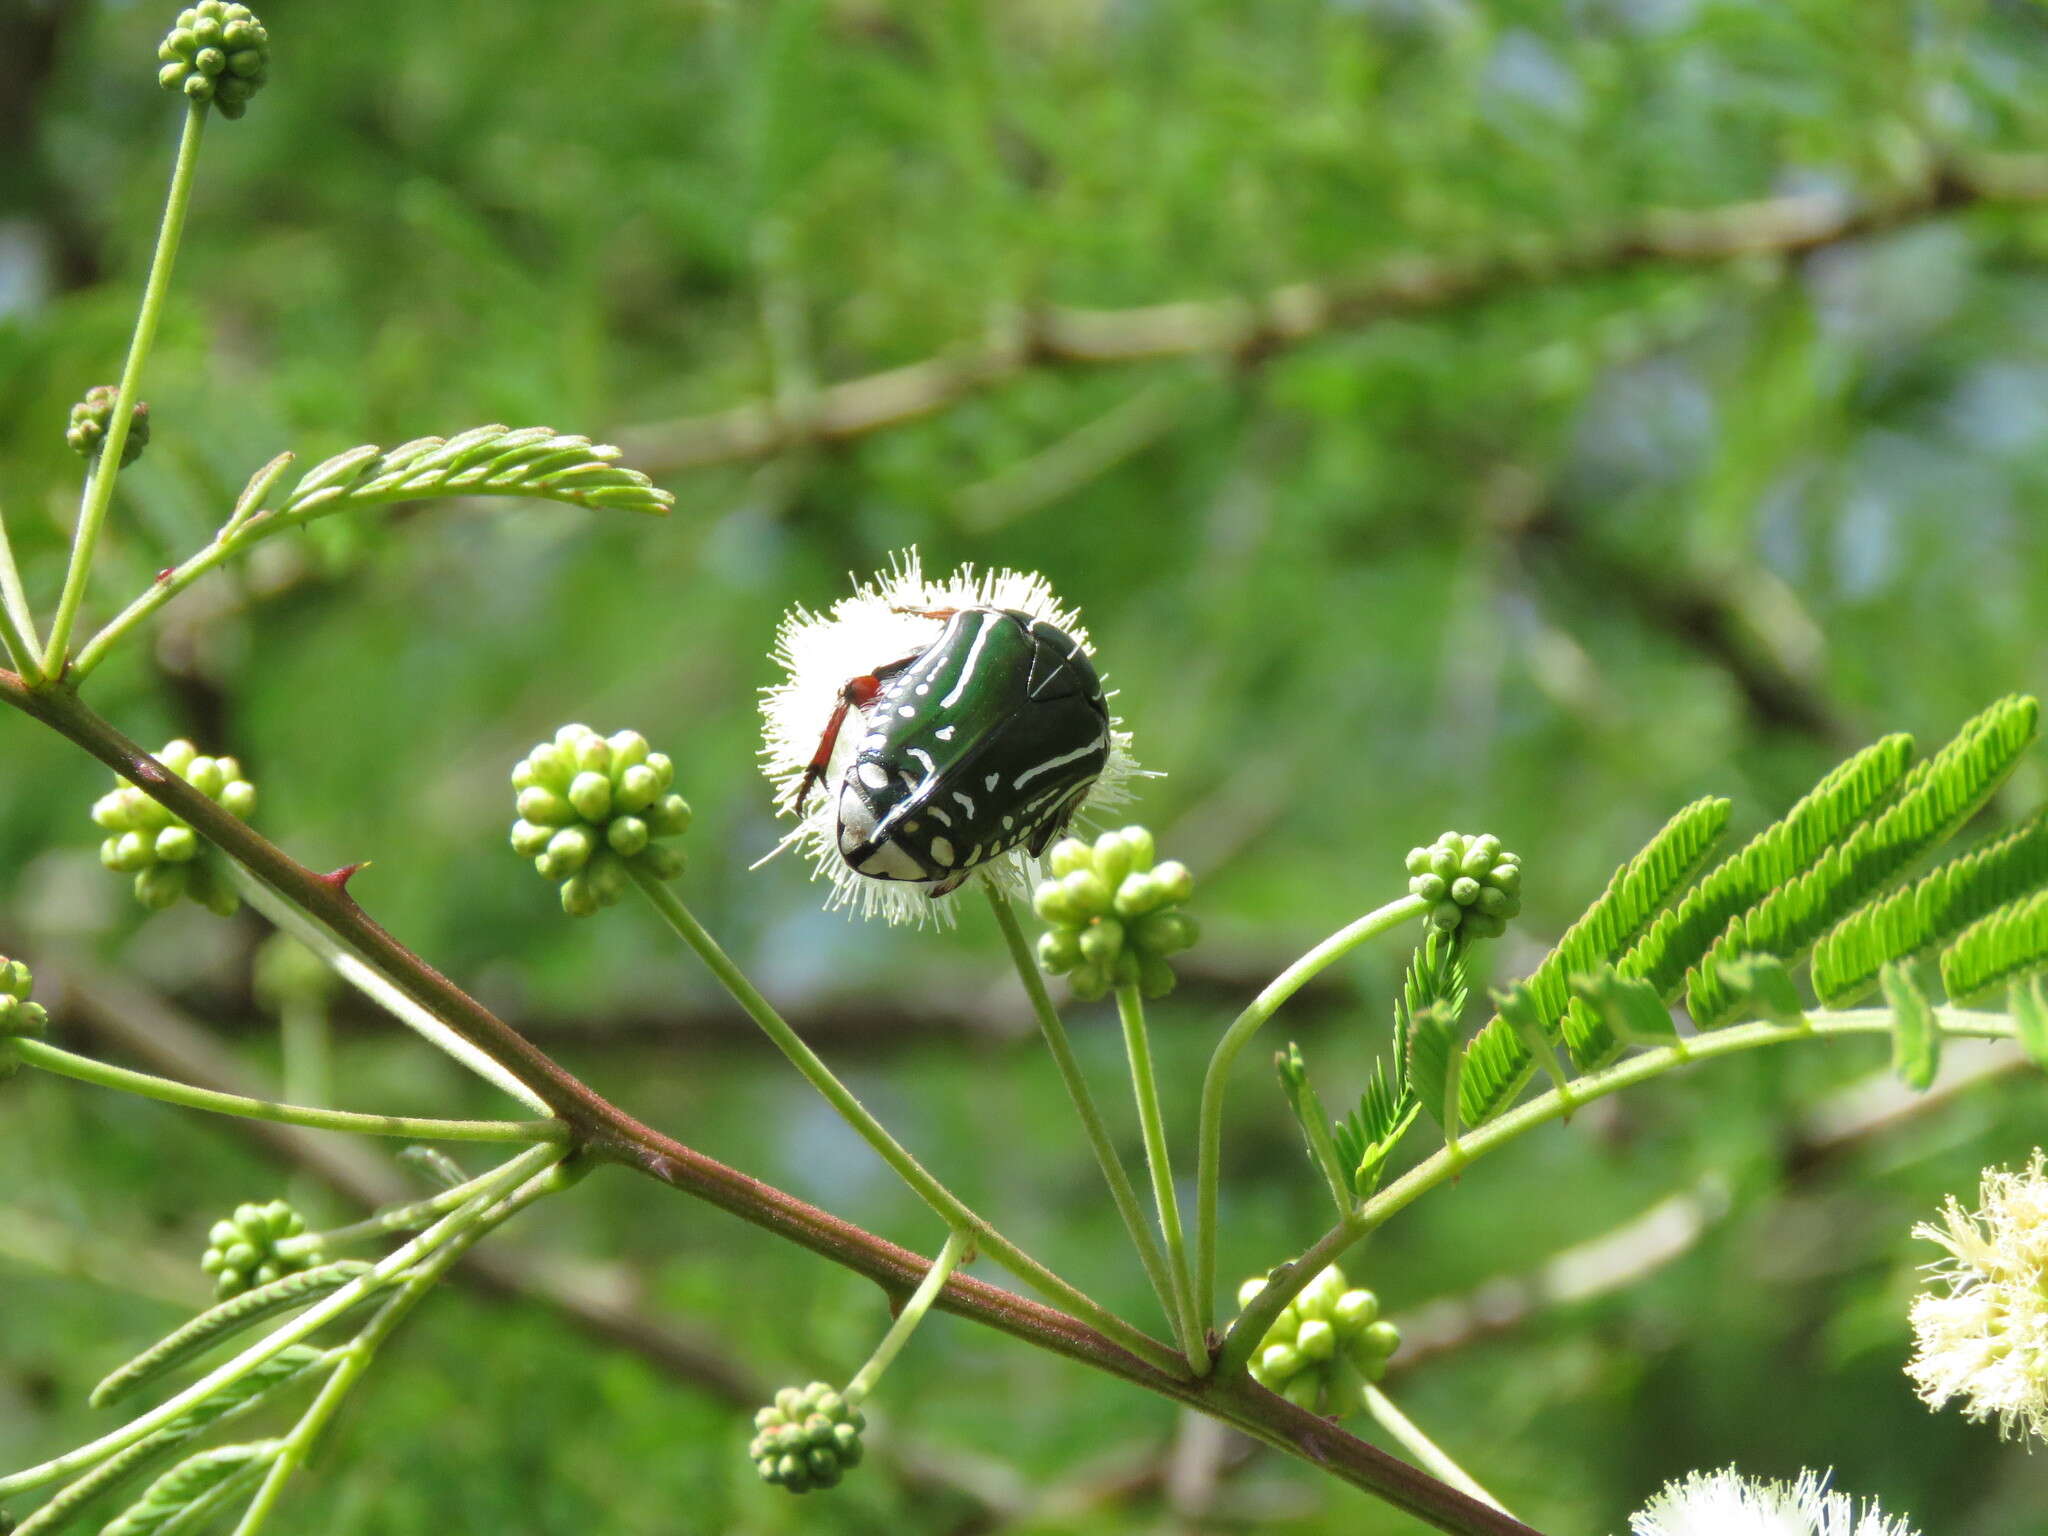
(1983, 1339)
(820, 653)
(1725, 1503)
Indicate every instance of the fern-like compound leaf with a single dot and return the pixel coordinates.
(493, 460)
(1916, 1043)
(197, 1487)
(1498, 1062)
(1622, 1008)
(223, 1322)
(1852, 791)
(1426, 1016)
(1935, 799)
(1930, 912)
(1997, 950)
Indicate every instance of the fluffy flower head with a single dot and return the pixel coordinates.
(885, 621)
(1725, 1503)
(1983, 1337)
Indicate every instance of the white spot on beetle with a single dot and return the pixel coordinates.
(923, 689)
(942, 851)
(905, 711)
(874, 775)
(945, 733)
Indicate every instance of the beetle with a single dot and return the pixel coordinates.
(986, 739)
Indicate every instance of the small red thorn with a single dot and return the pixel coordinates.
(166, 574)
(339, 878)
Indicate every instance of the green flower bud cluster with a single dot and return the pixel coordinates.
(91, 417)
(1324, 1344)
(589, 805)
(1112, 914)
(18, 1016)
(808, 1438)
(166, 857)
(243, 1251)
(217, 52)
(1469, 882)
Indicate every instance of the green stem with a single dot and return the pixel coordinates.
(1209, 1132)
(356, 1355)
(1130, 1008)
(100, 488)
(913, 1312)
(1427, 1453)
(1447, 1162)
(396, 1218)
(907, 1168)
(347, 963)
(17, 620)
(306, 1324)
(1122, 1193)
(84, 1069)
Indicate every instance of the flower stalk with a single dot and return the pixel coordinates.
(99, 493)
(1145, 1089)
(1209, 1130)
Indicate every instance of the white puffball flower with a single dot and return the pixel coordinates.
(1725, 1503)
(820, 653)
(1983, 1339)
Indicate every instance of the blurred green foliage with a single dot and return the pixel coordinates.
(1548, 563)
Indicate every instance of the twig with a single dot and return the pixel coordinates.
(1289, 316)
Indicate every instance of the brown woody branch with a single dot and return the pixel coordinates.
(605, 1131)
(1289, 316)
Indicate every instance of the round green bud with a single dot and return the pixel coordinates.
(1354, 1311)
(1446, 915)
(1089, 981)
(545, 806)
(160, 885)
(1068, 855)
(238, 798)
(1464, 890)
(627, 835)
(638, 786)
(661, 861)
(1155, 976)
(1316, 1340)
(628, 748)
(177, 845)
(1506, 877)
(1142, 847)
(1482, 926)
(669, 816)
(1382, 1338)
(1304, 1391)
(1163, 933)
(91, 417)
(1493, 902)
(1088, 892)
(1052, 903)
(1138, 894)
(1102, 940)
(529, 838)
(1175, 878)
(1430, 886)
(1279, 1361)
(1248, 1291)
(1112, 858)
(1443, 862)
(131, 851)
(578, 900)
(567, 852)
(1059, 950)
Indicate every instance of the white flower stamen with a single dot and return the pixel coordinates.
(1985, 1340)
(1725, 1503)
(885, 620)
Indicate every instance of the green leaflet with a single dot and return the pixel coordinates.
(1497, 1063)
(1426, 1018)
(1997, 950)
(1852, 790)
(1916, 1043)
(273, 1375)
(1847, 960)
(198, 1485)
(488, 461)
(223, 1321)
(1763, 988)
(1935, 799)
(1624, 1008)
(2028, 1004)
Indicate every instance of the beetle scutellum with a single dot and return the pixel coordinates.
(953, 725)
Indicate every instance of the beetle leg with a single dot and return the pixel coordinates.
(858, 693)
(928, 613)
(950, 884)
